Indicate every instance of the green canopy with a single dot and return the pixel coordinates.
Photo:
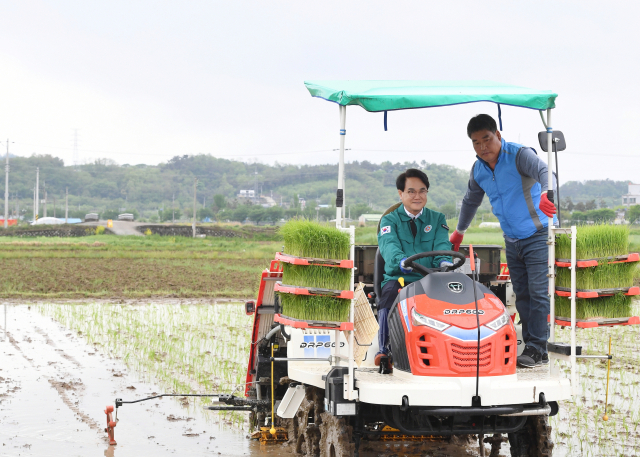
(394, 95)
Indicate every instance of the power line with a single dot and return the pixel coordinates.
(423, 151)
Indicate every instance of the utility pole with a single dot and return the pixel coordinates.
(44, 188)
(35, 219)
(66, 207)
(6, 192)
(54, 206)
(173, 208)
(34, 204)
(75, 149)
(195, 181)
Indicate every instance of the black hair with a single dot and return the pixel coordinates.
(401, 180)
(481, 122)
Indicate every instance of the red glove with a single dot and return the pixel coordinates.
(456, 240)
(546, 206)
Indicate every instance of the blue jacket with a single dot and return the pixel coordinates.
(513, 187)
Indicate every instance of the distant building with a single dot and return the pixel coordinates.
(302, 202)
(247, 194)
(633, 195)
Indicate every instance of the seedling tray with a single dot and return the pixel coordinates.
(328, 325)
(584, 263)
(297, 290)
(593, 323)
(595, 293)
(308, 261)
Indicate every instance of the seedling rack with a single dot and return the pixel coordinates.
(313, 291)
(595, 293)
(348, 327)
(326, 325)
(593, 323)
(308, 261)
(585, 263)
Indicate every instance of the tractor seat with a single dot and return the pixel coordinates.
(378, 275)
(378, 265)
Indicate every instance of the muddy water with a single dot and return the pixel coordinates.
(54, 388)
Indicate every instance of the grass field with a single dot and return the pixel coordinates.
(109, 266)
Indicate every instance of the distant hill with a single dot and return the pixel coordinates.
(146, 188)
(607, 190)
(104, 184)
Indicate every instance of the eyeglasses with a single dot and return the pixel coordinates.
(422, 192)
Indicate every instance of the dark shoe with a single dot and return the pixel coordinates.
(530, 358)
(545, 359)
(379, 356)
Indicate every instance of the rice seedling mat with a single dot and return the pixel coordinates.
(592, 323)
(313, 291)
(296, 323)
(585, 263)
(595, 241)
(308, 261)
(595, 293)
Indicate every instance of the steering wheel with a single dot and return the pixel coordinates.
(458, 261)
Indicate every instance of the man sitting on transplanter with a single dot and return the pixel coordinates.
(405, 230)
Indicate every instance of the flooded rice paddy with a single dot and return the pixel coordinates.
(63, 363)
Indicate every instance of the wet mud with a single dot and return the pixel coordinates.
(54, 387)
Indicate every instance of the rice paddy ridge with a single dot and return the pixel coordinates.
(184, 348)
(579, 428)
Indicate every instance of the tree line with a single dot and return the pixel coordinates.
(164, 192)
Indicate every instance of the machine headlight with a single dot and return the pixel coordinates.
(419, 319)
(499, 322)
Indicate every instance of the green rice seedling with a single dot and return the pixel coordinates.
(309, 308)
(594, 241)
(316, 276)
(304, 238)
(590, 308)
(187, 349)
(604, 276)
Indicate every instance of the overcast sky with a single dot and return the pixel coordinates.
(142, 81)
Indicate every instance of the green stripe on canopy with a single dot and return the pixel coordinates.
(394, 95)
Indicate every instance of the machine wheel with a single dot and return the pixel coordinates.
(337, 437)
(304, 428)
(533, 440)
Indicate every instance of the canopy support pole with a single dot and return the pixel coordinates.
(340, 193)
(551, 238)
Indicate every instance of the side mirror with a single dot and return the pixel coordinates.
(250, 307)
(558, 140)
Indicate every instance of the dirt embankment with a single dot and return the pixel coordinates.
(55, 231)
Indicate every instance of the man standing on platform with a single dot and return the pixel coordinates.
(515, 180)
